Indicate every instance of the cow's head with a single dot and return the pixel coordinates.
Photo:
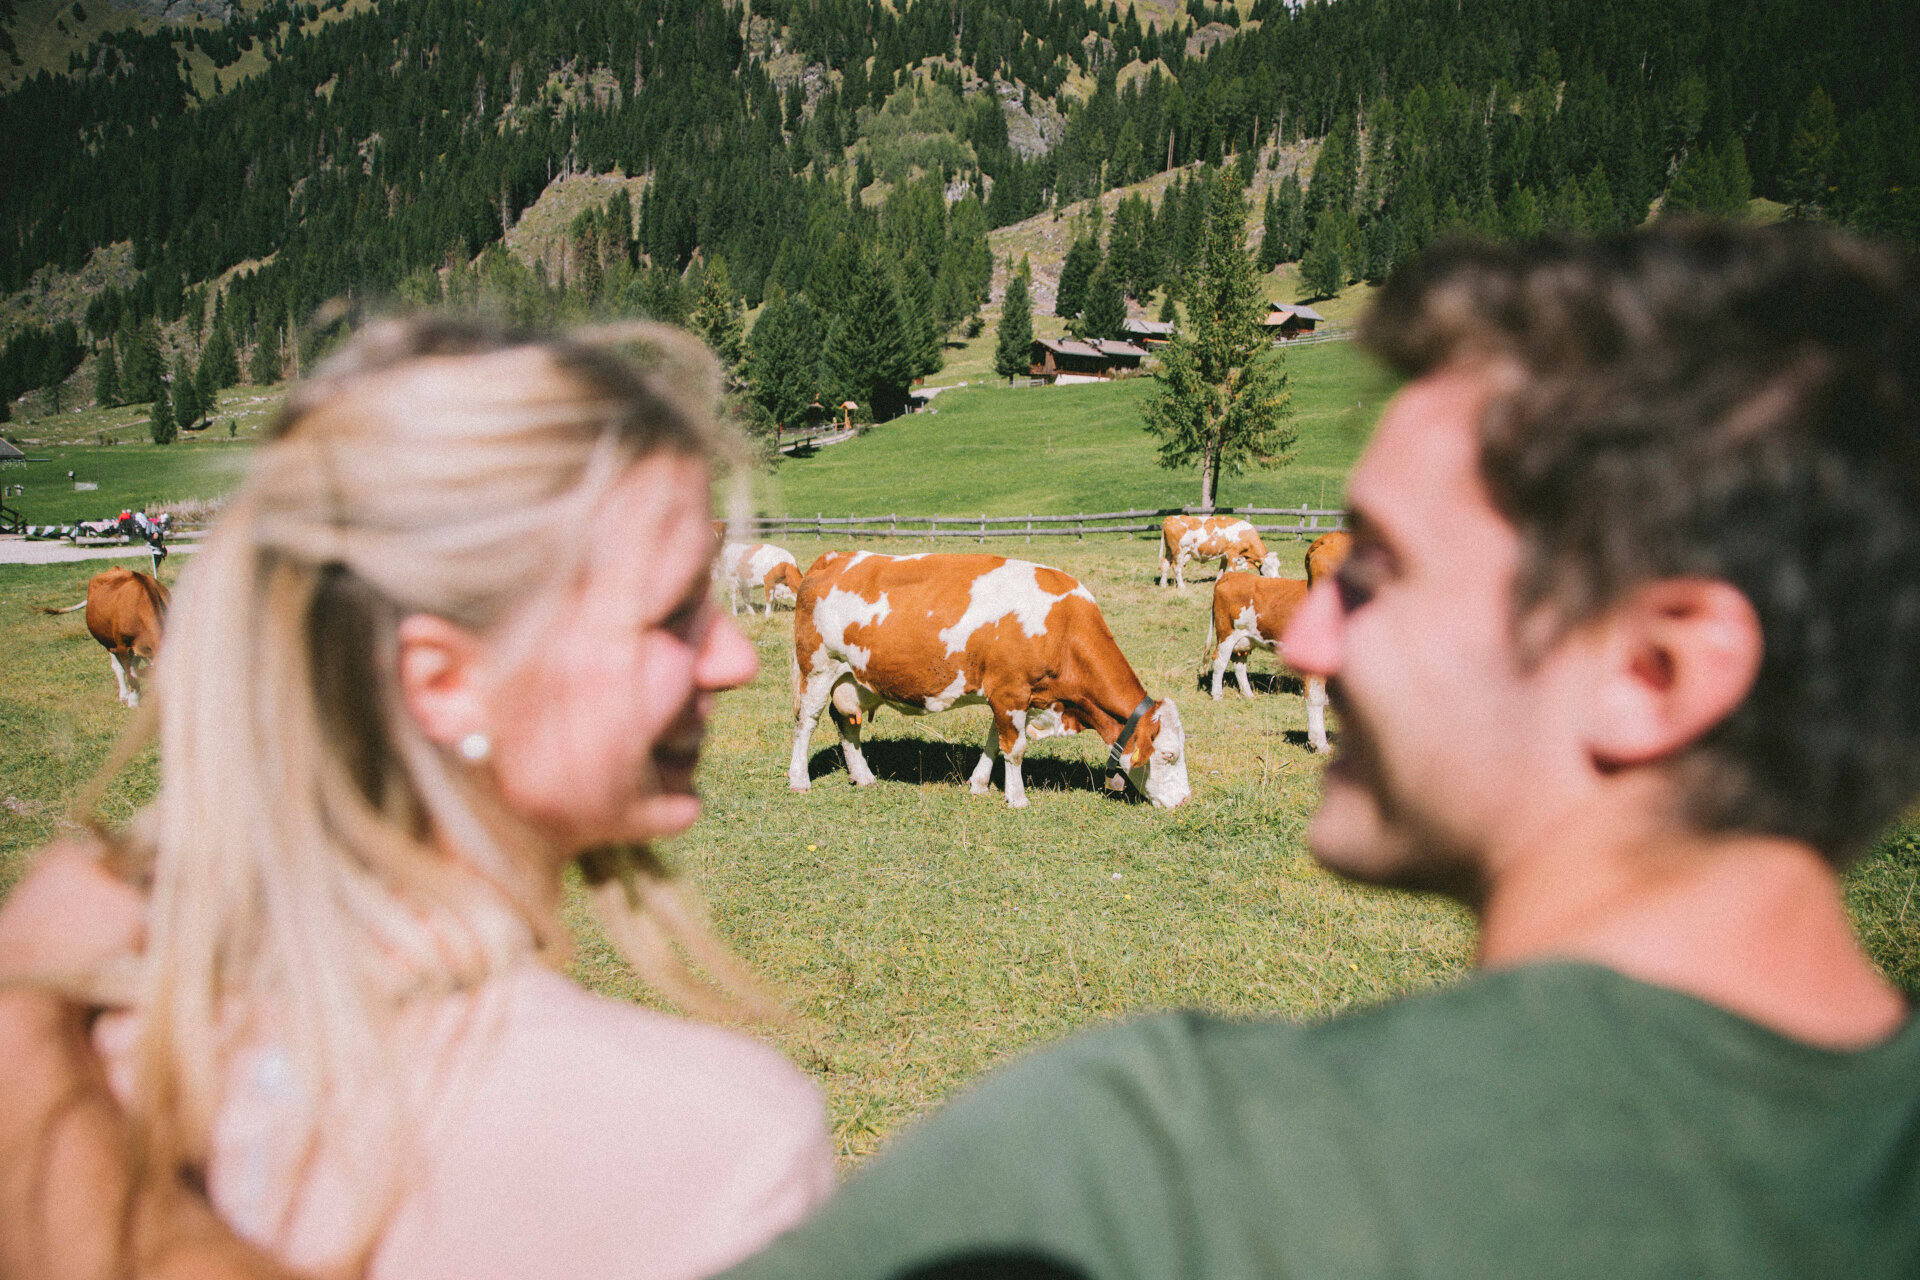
(785, 585)
(1157, 767)
(1270, 566)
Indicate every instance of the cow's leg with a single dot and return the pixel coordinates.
(130, 696)
(1317, 713)
(846, 718)
(1011, 729)
(1220, 659)
(733, 595)
(1180, 571)
(769, 609)
(983, 772)
(1240, 670)
(1163, 564)
(814, 694)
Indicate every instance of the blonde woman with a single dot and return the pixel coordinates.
(400, 693)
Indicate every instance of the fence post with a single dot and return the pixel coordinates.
(933, 529)
(983, 527)
(1029, 528)
(1081, 528)
(820, 525)
(893, 524)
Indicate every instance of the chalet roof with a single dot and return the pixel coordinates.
(1092, 348)
(1150, 328)
(1281, 310)
(9, 453)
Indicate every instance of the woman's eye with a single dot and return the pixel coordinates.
(1359, 577)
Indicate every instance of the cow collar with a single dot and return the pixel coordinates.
(1116, 755)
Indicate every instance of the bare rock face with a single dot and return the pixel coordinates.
(178, 10)
(1034, 134)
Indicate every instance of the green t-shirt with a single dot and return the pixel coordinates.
(1557, 1120)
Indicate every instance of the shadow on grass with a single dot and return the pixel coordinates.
(1262, 682)
(920, 760)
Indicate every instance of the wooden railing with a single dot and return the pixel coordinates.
(1306, 522)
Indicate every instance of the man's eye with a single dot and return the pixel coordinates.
(1355, 582)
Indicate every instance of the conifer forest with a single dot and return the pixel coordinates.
(840, 163)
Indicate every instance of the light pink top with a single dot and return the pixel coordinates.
(573, 1137)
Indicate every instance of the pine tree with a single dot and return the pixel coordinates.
(1321, 269)
(140, 371)
(161, 423)
(263, 369)
(1221, 396)
(783, 358)
(867, 356)
(1816, 132)
(219, 362)
(187, 409)
(1106, 310)
(1013, 347)
(106, 378)
(721, 320)
(1071, 297)
(1169, 307)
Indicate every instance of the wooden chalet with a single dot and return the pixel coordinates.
(1083, 360)
(1290, 320)
(1151, 334)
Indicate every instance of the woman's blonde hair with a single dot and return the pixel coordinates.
(300, 888)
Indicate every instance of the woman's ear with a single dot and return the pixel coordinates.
(1677, 656)
(439, 672)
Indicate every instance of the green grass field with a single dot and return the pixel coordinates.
(1058, 450)
(923, 933)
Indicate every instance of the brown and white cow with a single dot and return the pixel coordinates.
(746, 565)
(125, 612)
(1250, 611)
(1228, 539)
(924, 633)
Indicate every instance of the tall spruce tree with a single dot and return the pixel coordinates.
(1221, 399)
(160, 423)
(1082, 259)
(263, 369)
(783, 358)
(140, 371)
(868, 356)
(219, 362)
(1013, 347)
(106, 378)
(1106, 310)
(187, 408)
(721, 320)
(1322, 270)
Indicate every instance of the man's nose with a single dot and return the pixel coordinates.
(1311, 642)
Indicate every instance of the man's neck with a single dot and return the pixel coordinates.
(1754, 925)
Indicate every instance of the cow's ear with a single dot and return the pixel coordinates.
(1675, 659)
(439, 668)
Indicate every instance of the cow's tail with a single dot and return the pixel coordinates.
(793, 669)
(72, 608)
(1213, 643)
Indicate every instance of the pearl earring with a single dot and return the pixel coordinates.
(475, 747)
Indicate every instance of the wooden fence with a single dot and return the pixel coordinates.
(1306, 522)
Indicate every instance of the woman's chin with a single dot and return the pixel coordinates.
(661, 816)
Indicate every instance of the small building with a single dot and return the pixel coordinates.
(10, 453)
(1083, 360)
(1151, 334)
(1290, 320)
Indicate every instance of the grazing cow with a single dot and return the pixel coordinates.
(125, 611)
(1231, 541)
(1248, 611)
(1324, 557)
(923, 633)
(746, 565)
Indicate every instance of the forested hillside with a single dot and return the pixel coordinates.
(384, 151)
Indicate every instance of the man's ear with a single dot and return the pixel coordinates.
(439, 674)
(1677, 656)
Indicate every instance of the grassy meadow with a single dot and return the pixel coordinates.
(925, 934)
(1057, 450)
